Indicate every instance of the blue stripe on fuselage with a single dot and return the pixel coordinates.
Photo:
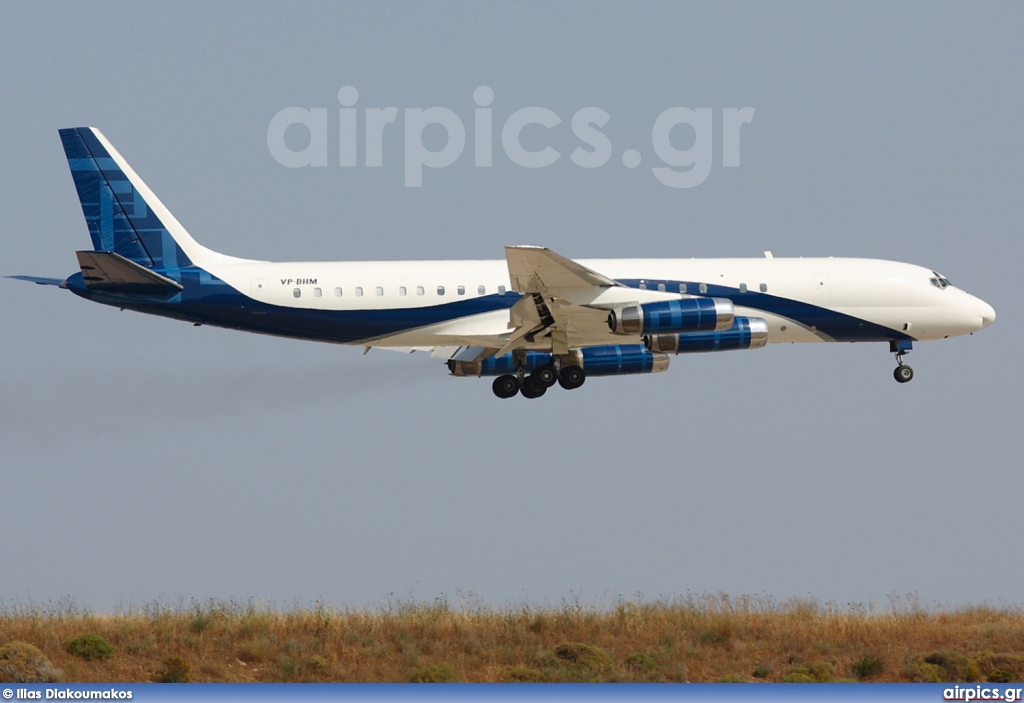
(837, 325)
(210, 300)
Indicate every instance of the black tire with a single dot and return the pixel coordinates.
(505, 386)
(903, 373)
(544, 376)
(572, 377)
(531, 391)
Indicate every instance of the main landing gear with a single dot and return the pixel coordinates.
(902, 373)
(538, 381)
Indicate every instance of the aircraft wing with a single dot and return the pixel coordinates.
(540, 270)
(546, 279)
(544, 318)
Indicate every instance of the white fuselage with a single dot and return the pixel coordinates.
(896, 296)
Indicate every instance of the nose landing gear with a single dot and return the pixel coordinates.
(902, 373)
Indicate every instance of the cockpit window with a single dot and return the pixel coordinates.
(940, 281)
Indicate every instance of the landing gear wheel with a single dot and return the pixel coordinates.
(572, 377)
(903, 373)
(531, 391)
(505, 386)
(543, 376)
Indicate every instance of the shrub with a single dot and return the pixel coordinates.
(90, 646)
(176, 670)
(952, 665)
(438, 673)
(200, 622)
(1005, 668)
(640, 663)
(798, 677)
(21, 662)
(923, 672)
(867, 667)
(762, 672)
(585, 661)
(815, 672)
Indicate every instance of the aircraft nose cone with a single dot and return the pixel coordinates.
(988, 314)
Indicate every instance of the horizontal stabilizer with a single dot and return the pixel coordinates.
(40, 280)
(109, 271)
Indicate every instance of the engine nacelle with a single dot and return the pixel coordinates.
(621, 359)
(612, 360)
(745, 333)
(673, 316)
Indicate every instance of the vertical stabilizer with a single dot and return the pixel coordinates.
(123, 214)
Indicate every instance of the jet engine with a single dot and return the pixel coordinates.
(745, 333)
(668, 316)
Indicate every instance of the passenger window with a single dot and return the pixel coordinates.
(661, 287)
(359, 291)
(297, 292)
(481, 290)
(440, 290)
(379, 290)
(419, 290)
(401, 290)
(317, 292)
(501, 290)
(743, 288)
(682, 287)
(763, 287)
(703, 288)
(337, 292)
(462, 290)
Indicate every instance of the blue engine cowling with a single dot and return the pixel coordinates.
(745, 333)
(620, 359)
(676, 316)
(613, 360)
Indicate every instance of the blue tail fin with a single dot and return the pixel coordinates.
(122, 213)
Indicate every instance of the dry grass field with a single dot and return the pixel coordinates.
(695, 638)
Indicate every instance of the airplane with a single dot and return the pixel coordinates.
(529, 321)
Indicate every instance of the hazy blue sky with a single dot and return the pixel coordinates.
(142, 458)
